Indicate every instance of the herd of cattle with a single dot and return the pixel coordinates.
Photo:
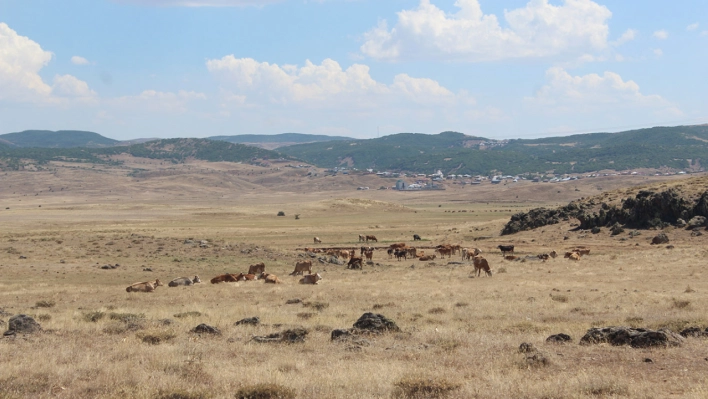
(399, 251)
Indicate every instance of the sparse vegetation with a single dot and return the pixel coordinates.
(265, 391)
(416, 387)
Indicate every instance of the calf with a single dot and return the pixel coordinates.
(311, 279)
(300, 267)
(270, 278)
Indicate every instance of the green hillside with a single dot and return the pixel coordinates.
(456, 153)
(278, 138)
(59, 139)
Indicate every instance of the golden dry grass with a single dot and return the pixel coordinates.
(460, 335)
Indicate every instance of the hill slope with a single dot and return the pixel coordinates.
(274, 141)
(675, 147)
(58, 139)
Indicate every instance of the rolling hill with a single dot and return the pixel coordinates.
(277, 140)
(58, 139)
(674, 147)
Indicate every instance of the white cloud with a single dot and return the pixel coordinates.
(661, 34)
(627, 36)
(71, 87)
(692, 26)
(21, 59)
(658, 52)
(539, 29)
(76, 60)
(323, 85)
(607, 93)
(198, 3)
(704, 33)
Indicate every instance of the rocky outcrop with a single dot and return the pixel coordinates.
(290, 336)
(634, 337)
(22, 324)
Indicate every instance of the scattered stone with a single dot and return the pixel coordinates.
(635, 233)
(696, 233)
(293, 301)
(22, 324)
(536, 359)
(166, 322)
(694, 332)
(23, 257)
(252, 321)
(566, 238)
(206, 329)
(147, 269)
(697, 221)
(527, 347)
(680, 222)
(660, 238)
(375, 323)
(634, 337)
(616, 229)
(62, 261)
(189, 241)
(668, 246)
(341, 334)
(290, 336)
(648, 360)
(596, 230)
(559, 338)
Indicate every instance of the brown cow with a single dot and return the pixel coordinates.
(300, 267)
(397, 245)
(317, 240)
(246, 277)
(412, 252)
(345, 254)
(481, 264)
(270, 278)
(369, 254)
(225, 278)
(147, 286)
(311, 279)
(444, 251)
(511, 257)
(258, 268)
(354, 263)
(574, 256)
(553, 254)
(582, 251)
(371, 238)
(426, 258)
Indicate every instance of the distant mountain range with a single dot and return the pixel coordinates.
(681, 147)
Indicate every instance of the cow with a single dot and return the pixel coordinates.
(401, 253)
(147, 286)
(311, 279)
(225, 278)
(511, 257)
(184, 281)
(444, 251)
(345, 254)
(468, 254)
(481, 264)
(362, 238)
(300, 267)
(416, 237)
(574, 256)
(398, 245)
(455, 249)
(371, 238)
(553, 254)
(317, 240)
(506, 248)
(369, 255)
(363, 249)
(270, 278)
(412, 252)
(247, 277)
(582, 251)
(426, 258)
(354, 263)
(390, 252)
(258, 268)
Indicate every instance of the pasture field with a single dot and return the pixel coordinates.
(459, 333)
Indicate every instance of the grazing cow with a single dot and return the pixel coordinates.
(345, 254)
(398, 245)
(369, 255)
(317, 240)
(300, 267)
(355, 263)
(416, 237)
(412, 252)
(311, 279)
(553, 254)
(147, 286)
(225, 278)
(258, 268)
(506, 248)
(401, 253)
(184, 281)
(270, 278)
(582, 251)
(511, 257)
(362, 238)
(426, 258)
(574, 256)
(481, 264)
(371, 238)
(444, 251)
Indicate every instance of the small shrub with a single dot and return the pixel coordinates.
(94, 316)
(604, 389)
(156, 337)
(306, 315)
(281, 213)
(126, 317)
(461, 304)
(422, 387)
(265, 391)
(45, 304)
(689, 289)
(680, 304)
(44, 317)
(559, 298)
(319, 306)
(501, 270)
(297, 216)
(188, 314)
(182, 394)
(437, 310)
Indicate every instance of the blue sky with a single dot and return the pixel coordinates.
(499, 69)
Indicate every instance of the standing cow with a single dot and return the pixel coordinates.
(317, 240)
(300, 267)
(506, 248)
(416, 237)
(481, 264)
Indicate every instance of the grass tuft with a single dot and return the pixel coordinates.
(318, 306)
(188, 314)
(680, 303)
(265, 391)
(416, 387)
(560, 298)
(45, 304)
(156, 337)
(94, 317)
(182, 394)
(437, 310)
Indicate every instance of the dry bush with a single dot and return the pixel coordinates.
(156, 337)
(378, 306)
(634, 321)
(94, 317)
(318, 306)
(45, 304)
(265, 391)
(678, 324)
(437, 310)
(604, 388)
(688, 289)
(461, 304)
(306, 315)
(126, 317)
(680, 303)
(182, 394)
(44, 317)
(559, 298)
(417, 387)
(188, 314)
(501, 270)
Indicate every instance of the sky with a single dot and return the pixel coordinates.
(360, 68)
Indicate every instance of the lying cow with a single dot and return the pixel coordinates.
(300, 267)
(574, 256)
(225, 278)
(426, 258)
(147, 286)
(258, 268)
(311, 279)
(481, 264)
(270, 278)
(582, 251)
(186, 281)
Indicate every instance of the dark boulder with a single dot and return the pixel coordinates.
(206, 329)
(22, 324)
(290, 336)
(527, 347)
(634, 337)
(694, 332)
(252, 321)
(341, 334)
(375, 323)
(559, 338)
(616, 229)
(660, 238)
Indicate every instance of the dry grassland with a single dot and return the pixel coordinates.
(460, 335)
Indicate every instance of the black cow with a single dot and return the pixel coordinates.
(416, 237)
(506, 248)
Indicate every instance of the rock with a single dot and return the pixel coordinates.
(596, 230)
(694, 332)
(680, 222)
(648, 360)
(293, 301)
(147, 269)
(189, 241)
(22, 324)
(668, 246)
(375, 323)
(634, 233)
(23, 257)
(340, 334)
(616, 229)
(696, 233)
(290, 336)
(206, 329)
(107, 267)
(252, 321)
(559, 338)
(536, 359)
(634, 337)
(697, 221)
(660, 238)
(527, 347)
